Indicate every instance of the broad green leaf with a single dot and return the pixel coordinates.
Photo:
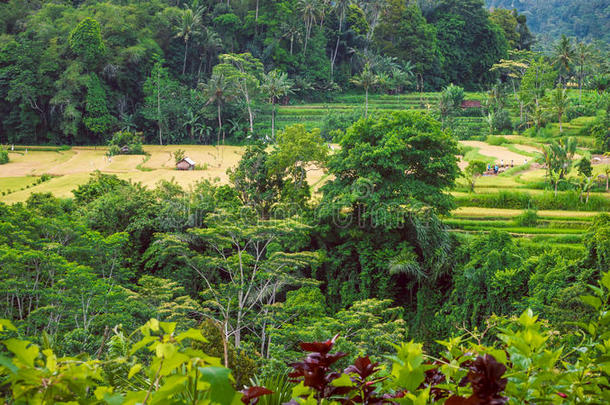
(591, 301)
(6, 362)
(221, 389)
(171, 386)
(165, 350)
(20, 349)
(343, 381)
(168, 327)
(5, 324)
(51, 359)
(193, 334)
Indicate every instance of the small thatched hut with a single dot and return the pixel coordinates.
(185, 164)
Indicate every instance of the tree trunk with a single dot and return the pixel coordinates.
(159, 107)
(607, 183)
(219, 128)
(366, 102)
(556, 188)
(250, 114)
(273, 118)
(256, 13)
(334, 56)
(560, 126)
(224, 344)
(186, 48)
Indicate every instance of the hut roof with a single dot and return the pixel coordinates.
(188, 160)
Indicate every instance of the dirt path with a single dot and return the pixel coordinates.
(497, 152)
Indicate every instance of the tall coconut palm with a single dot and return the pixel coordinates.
(275, 85)
(292, 31)
(189, 25)
(559, 103)
(341, 7)
(583, 53)
(210, 47)
(310, 11)
(219, 91)
(366, 79)
(564, 58)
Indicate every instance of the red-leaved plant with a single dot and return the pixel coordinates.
(484, 376)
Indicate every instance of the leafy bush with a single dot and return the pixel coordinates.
(125, 143)
(338, 121)
(3, 156)
(497, 140)
(179, 154)
(500, 120)
(527, 218)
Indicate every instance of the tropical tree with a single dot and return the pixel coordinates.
(220, 91)
(582, 56)
(190, 24)
(558, 156)
(340, 8)
(310, 11)
(275, 85)
(559, 103)
(366, 79)
(244, 71)
(473, 171)
(564, 59)
(210, 46)
(555, 178)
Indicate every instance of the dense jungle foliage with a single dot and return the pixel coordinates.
(75, 73)
(246, 272)
(211, 293)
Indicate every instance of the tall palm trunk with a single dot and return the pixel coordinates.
(159, 107)
(334, 56)
(366, 102)
(219, 128)
(273, 118)
(186, 47)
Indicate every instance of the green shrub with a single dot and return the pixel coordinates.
(179, 154)
(497, 140)
(3, 156)
(527, 218)
(125, 143)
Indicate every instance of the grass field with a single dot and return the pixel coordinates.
(73, 167)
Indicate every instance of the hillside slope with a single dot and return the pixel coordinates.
(587, 19)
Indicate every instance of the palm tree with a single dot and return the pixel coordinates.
(275, 85)
(309, 9)
(366, 79)
(291, 31)
(555, 177)
(559, 103)
(583, 53)
(190, 122)
(218, 90)
(210, 47)
(189, 25)
(564, 57)
(585, 186)
(341, 7)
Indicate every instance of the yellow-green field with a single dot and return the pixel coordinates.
(73, 167)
